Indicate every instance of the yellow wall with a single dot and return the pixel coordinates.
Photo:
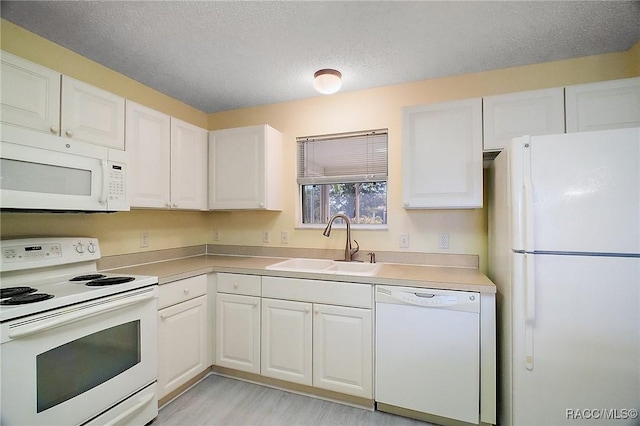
(368, 109)
(28, 45)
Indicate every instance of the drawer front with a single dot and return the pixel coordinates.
(179, 291)
(248, 285)
(317, 291)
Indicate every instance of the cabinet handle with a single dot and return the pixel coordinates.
(167, 205)
(406, 204)
(175, 205)
(306, 310)
(54, 129)
(316, 310)
(186, 291)
(69, 132)
(236, 285)
(261, 205)
(255, 304)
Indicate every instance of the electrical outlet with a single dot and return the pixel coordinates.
(216, 235)
(404, 241)
(144, 239)
(443, 241)
(266, 236)
(284, 237)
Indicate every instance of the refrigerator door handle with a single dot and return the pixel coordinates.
(530, 308)
(527, 202)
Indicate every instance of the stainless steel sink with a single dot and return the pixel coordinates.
(325, 266)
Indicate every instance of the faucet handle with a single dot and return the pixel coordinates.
(372, 257)
(355, 250)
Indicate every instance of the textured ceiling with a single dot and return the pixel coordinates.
(222, 55)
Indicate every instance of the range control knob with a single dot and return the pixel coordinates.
(80, 248)
(91, 248)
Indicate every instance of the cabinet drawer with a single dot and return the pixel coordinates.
(179, 291)
(316, 291)
(248, 285)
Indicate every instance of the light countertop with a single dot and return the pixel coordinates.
(440, 277)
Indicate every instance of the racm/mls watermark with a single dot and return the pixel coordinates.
(601, 413)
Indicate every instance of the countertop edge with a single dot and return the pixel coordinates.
(445, 277)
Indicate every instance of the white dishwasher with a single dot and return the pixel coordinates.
(427, 351)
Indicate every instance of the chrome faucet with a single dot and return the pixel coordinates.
(348, 251)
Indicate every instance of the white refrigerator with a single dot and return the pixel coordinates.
(564, 253)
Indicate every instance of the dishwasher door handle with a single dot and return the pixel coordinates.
(425, 295)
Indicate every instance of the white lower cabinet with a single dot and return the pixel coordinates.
(287, 340)
(318, 333)
(182, 332)
(342, 349)
(309, 332)
(238, 332)
(238, 322)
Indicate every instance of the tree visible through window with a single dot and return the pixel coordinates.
(345, 173)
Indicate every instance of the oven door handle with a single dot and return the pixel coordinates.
(98, 308)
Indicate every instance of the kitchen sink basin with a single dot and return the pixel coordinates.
(325, 266)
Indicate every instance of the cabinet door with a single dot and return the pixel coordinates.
(30, 95)
(442, 155)
(604, 105)
(238, 332)
(92, 115)
(182, 340)
(148, 139)
(342, 350)
(286, 340)
(536, 112)
(237, 168)
(188, 166)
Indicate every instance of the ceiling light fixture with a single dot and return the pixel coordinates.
(327, 81)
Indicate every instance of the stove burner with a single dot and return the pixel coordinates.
(109, 281)
(87, 277)
(26, 298)
(15, 291)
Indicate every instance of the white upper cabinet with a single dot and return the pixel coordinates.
(188, 166)
(30, 95)
(168, 161)
(442, 155)
(148, 146)
(535, 112)
(604, 105)
(245, 169)
(91, 115)
(40, 99)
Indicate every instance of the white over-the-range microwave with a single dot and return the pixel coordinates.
(50, 173)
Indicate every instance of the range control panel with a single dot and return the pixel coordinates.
(40, 252)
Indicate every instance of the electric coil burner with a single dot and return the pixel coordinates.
(15, 291)
(23, 299)
(87, 277)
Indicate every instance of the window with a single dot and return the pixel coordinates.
(344, 173)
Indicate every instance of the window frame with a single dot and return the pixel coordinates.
(324, 196)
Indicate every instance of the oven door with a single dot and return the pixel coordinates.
(66, 366)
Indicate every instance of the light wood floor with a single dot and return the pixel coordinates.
(218, 400)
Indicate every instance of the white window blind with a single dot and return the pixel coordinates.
(343, 158)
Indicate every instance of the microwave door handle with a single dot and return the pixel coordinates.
(105, 182)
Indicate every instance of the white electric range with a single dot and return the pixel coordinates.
(79, 347)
